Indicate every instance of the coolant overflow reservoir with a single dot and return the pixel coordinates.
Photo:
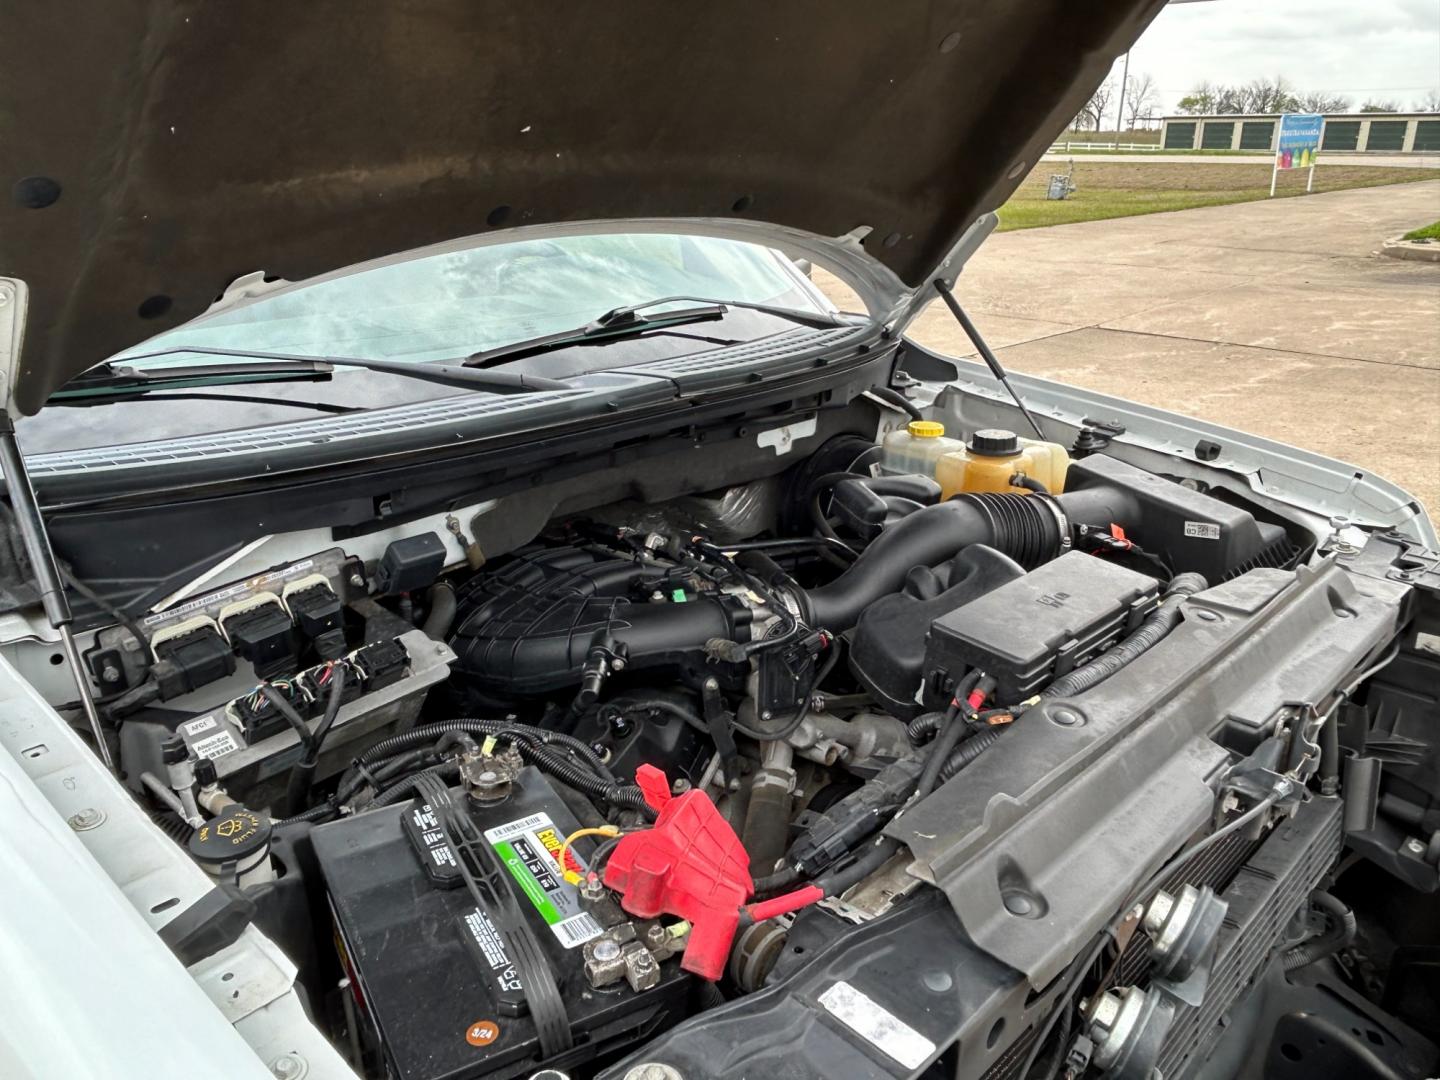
(916, 448)
(995, 458)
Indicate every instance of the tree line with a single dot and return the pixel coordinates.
(1272, 95)
(1276, 95)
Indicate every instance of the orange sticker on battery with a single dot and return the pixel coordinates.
(482, 1033)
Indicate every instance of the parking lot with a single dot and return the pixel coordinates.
(1278, 318)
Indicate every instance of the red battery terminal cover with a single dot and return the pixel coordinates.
(689, 864)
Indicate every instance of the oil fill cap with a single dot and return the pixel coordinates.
(925, 429)
(994, 442)
(231, 837)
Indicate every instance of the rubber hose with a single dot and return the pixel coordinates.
(953, 731)
(922, 729)
(780, 880)
(925, 725)
(899, 400)
(443, 606)
(969, 750)
(632, 704)
(1340, 934)
(1024, 527)
(1150, 633)
(837, 882)
(1029, 483)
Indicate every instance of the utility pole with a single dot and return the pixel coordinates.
(1120, 113)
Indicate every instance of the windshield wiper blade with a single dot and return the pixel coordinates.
(596, 332)
(121, 377)
(820, 319)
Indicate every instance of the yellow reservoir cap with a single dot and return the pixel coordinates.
(925, 429)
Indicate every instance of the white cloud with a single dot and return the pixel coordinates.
(1383, 49)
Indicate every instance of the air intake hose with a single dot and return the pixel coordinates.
(1031, 529)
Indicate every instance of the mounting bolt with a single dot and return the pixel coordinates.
(1415, 847)
(87, 818)
(357, 580)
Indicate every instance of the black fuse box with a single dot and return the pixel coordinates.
(1028, 632)
(428, 967)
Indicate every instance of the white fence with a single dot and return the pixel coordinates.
(1124, 147)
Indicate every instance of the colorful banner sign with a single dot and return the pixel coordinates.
(1299, 140)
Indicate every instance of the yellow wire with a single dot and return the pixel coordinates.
(570, 875)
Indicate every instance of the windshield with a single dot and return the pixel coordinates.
(452, 304)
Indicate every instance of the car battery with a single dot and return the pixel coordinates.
(426, 964)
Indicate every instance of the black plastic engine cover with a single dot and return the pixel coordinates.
(887, 653)
(526, 626)
(1032, 630)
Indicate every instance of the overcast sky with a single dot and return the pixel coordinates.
(1385, 49)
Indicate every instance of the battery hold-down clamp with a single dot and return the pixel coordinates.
(691, 865)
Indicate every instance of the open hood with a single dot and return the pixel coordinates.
(152, 151)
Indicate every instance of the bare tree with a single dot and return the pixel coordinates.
(1093, 114)
(1315, 101)
(1429, 103)
(1140, 97)
(1268, 96)
(1380, 106)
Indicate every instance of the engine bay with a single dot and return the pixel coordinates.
(907, 772)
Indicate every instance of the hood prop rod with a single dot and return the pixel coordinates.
(47, 575)
(973, 333)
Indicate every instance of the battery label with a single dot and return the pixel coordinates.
(486, 940)
(530, 850)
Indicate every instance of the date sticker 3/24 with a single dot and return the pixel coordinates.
(482, 1033)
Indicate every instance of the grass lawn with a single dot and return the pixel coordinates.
(1108, 189)
(1428, 232)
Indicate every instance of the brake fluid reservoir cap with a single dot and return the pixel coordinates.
(925, 429)
(235, 835)
(994, 442)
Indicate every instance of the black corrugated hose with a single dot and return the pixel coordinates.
(970, 749)
(1340, 934)
(1145, 637)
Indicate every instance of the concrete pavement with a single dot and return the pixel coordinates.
(1384, 161)
(1274, 317)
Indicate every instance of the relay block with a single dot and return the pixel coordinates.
(1030, 631)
